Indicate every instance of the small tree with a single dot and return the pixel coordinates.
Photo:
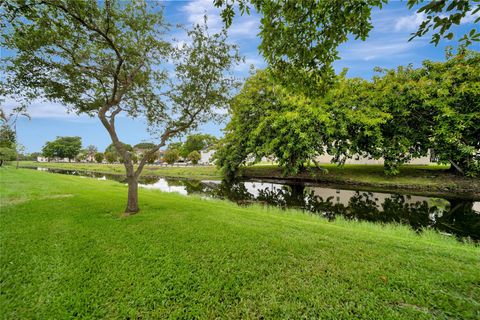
(99, 157)
(7, 154)
(106, 58)
(171, 156)
(196, 142)
(152, 158)
(194, 157)
(111, 157)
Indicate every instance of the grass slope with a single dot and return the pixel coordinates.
(67, 252)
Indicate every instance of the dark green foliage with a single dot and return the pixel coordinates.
(7, 154)
(62, 147)
(268, 120)
(111, 147)
(7, 137)
(153, 157)
(300, 38)
(440, 16)
(144, 145)
(111, 157)
(99, 157)
(400, 115)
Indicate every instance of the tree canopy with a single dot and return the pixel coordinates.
(401, 114)
(171, 156)
(300, 38)
(62, 147)
(196, 142)
(194, 157)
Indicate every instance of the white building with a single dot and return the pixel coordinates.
(206, 157)
(44, 159)
(326, 158)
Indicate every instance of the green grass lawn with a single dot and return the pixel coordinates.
(66, 251)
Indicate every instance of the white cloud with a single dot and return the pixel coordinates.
(256, 62)
(42, 109)
(412, 22)
(470, 17)
(196, 10)
(245, 26)
(409, 23)
(381, 48)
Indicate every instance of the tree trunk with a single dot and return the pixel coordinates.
(456, 169)
(132, 202)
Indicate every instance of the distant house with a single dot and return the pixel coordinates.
(206, 156)
(45, 159)
(326, 158)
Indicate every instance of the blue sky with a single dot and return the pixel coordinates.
(386, 47)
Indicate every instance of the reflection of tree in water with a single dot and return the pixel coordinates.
(459, 218)
(326, 207)
(148, 179)
(194, 186)
(232, 190)
(292, 196)
(417, 214)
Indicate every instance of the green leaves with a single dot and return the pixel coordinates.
(402, 114)
(62, 147)
(300, 38)
(441, 15)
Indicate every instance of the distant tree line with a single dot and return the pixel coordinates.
(71, 148)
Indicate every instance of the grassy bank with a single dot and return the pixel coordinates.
(193, 172)
(67, 252)
(431, 178)
(434, 178)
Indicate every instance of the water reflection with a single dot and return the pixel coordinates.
(451, 216)
(459, 217)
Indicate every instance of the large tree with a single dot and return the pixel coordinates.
(401, 114)
(300, 38)
(435, 107)
(107, 58)
(268, 119)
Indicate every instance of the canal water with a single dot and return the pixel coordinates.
(459, 217)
